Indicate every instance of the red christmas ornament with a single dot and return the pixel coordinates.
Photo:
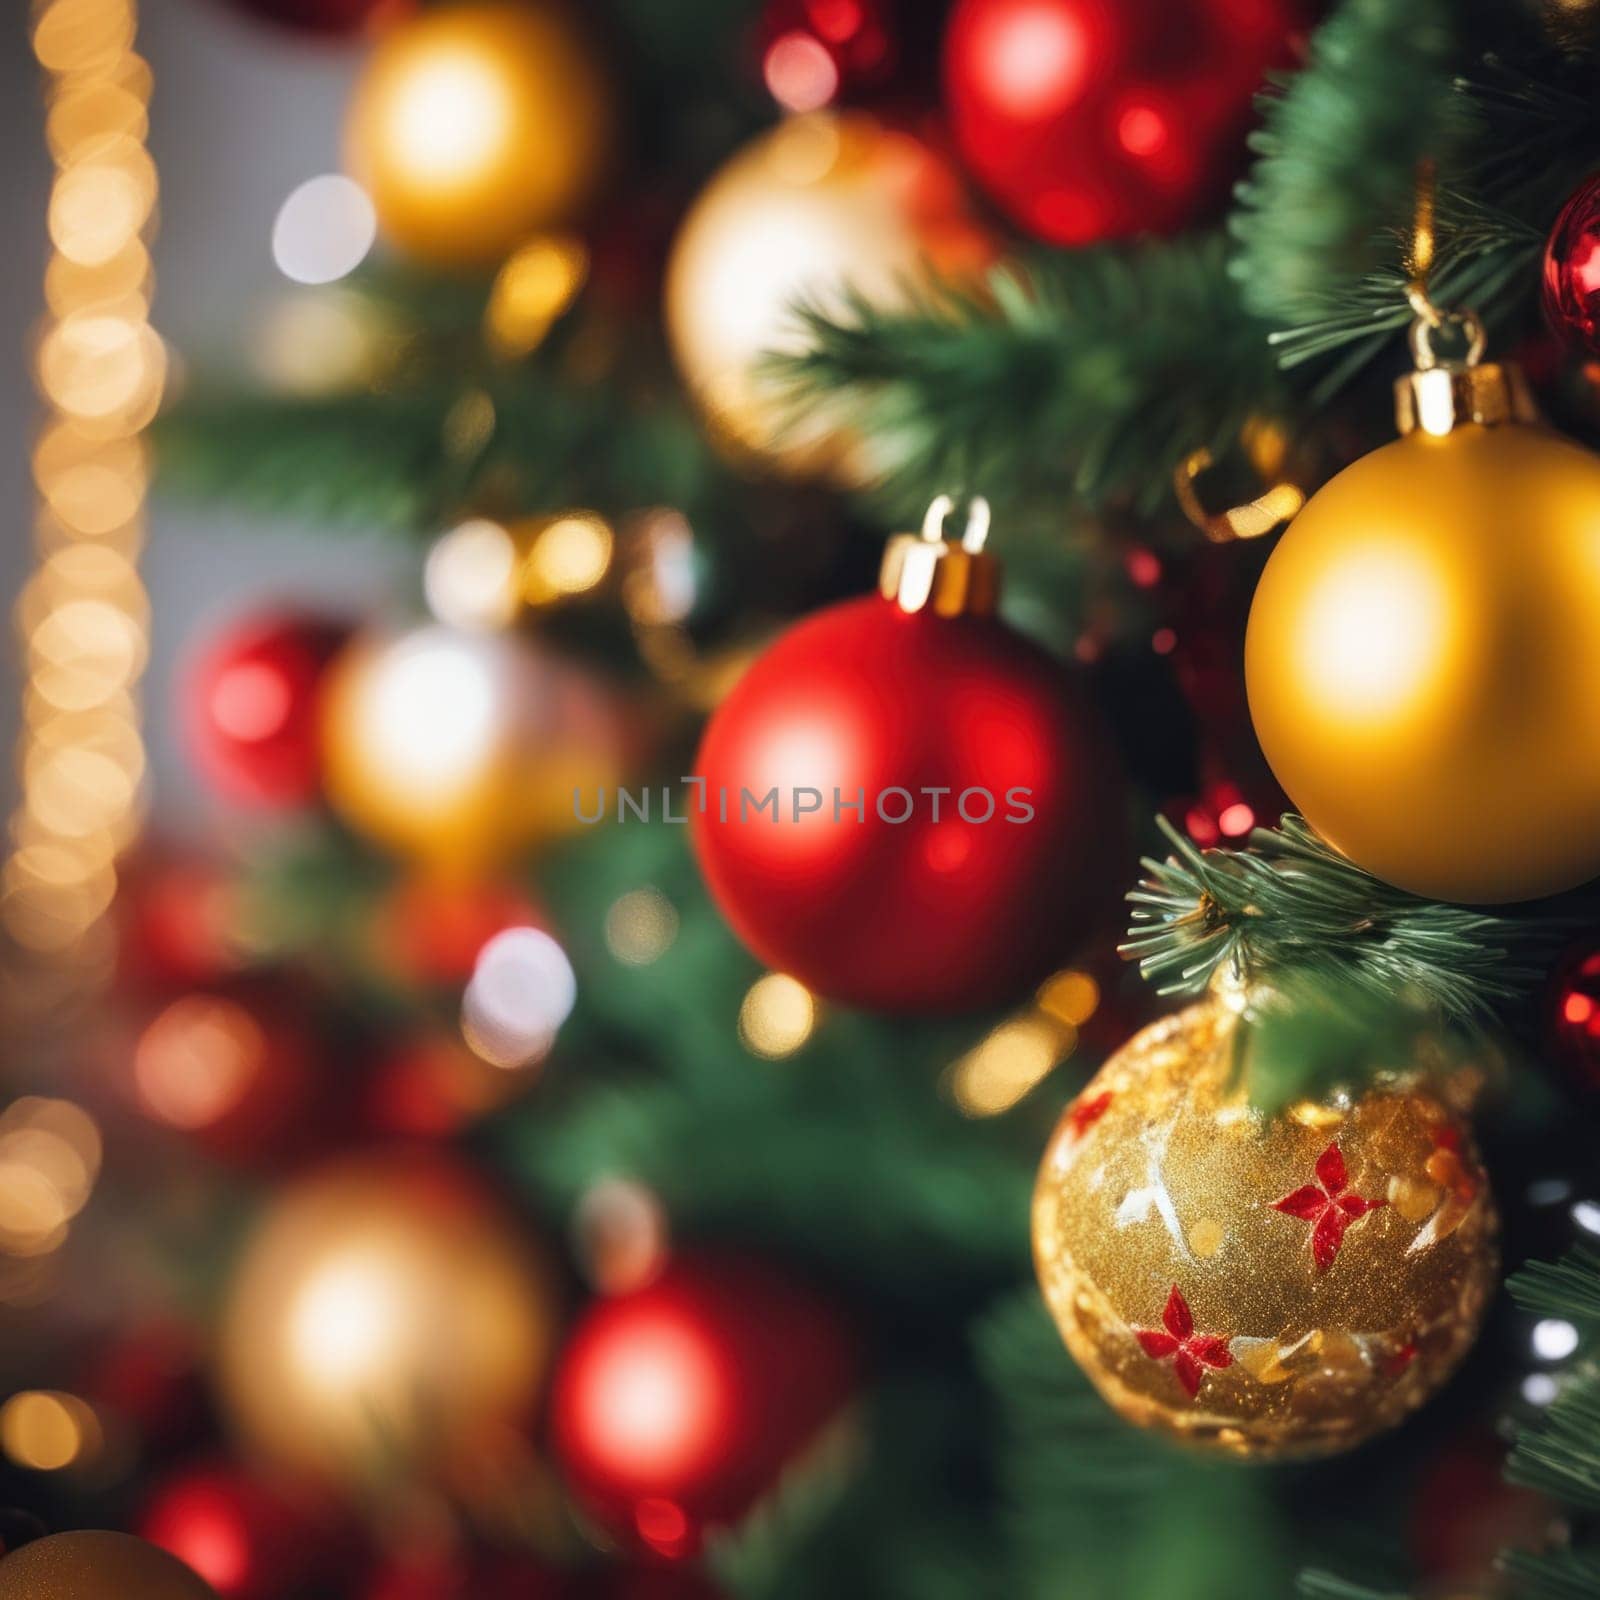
(327, 19)
(251, 703)
(1573, 1013)
(816, 52)
(676, 1407)
(250, 1540)
(1572, 271)
(1102, 119)
(178, 919)
(947, 818)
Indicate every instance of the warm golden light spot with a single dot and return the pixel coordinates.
(470, 578)
(98, 206)
(533, 289)
(448, 116)
(777, 1017)
(640, 927)
(74, 36)
(1070, 997)
(1007, 1064)
(570, 555)
(46, 1431)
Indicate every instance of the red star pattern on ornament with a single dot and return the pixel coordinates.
(1326, 1206)
(1085, 1113)
(1190, 1352)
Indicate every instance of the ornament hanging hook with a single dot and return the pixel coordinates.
(976, 533)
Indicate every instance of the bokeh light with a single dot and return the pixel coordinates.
(470, 580)
(522, 989)
(778, 1015)
(640, 927)
(324, 230)
(48, 1431)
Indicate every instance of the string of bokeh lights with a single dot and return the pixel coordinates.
(100, 367)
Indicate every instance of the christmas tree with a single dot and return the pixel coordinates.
(937, 934)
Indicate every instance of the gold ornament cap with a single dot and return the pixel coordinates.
(1443, 393)
(927, 572)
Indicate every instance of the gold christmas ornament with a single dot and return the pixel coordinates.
(819, 205)
(385, 1319)
(1423, 653)
(460, 749)
(97, 1566)
(1262, 1287)
(476, 125)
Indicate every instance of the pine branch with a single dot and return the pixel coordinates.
(1290, 910)
(1328, 1586)
(1326, 215)
(1338, 153)
(1569, 1288)
(1079, 377)
(1558, 1575)
(1560, 1457)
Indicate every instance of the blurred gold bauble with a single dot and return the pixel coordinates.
(1423, 661)
(385, 1320)
(97, 1566)
(478, 124)
(461, 749)
(1264, 1287)
(821, 204)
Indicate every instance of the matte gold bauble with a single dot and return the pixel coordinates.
(97, 1566)
(819, 205)
(476, 125)
(1262, 1287)
(385, 1319)
(462, 750)
(1423, 661)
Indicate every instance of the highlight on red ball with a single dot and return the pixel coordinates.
(252, 707)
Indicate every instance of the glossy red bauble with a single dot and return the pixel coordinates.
(987, 833)
(252, 705)
(1572, 271)
(1103, 119)
(676, 1407)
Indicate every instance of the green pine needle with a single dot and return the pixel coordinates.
(1558, 1575)
(1292, 911)
(1080, 377)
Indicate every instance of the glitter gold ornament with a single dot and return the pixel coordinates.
(1265, 1287)
(477, 125)
(820, 205)
(88, 1566)
(1423, 654)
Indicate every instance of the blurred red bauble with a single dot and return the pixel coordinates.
(248, 1539)
(1572, 271)
(1103, 119)
(677, 1407)
(1573, 1012)
(1464, 1514)
(148, 1378)
(990, 817)
(817, 52)
(177, 922)
(238, 1068)
(252, 708)
(329, 19)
